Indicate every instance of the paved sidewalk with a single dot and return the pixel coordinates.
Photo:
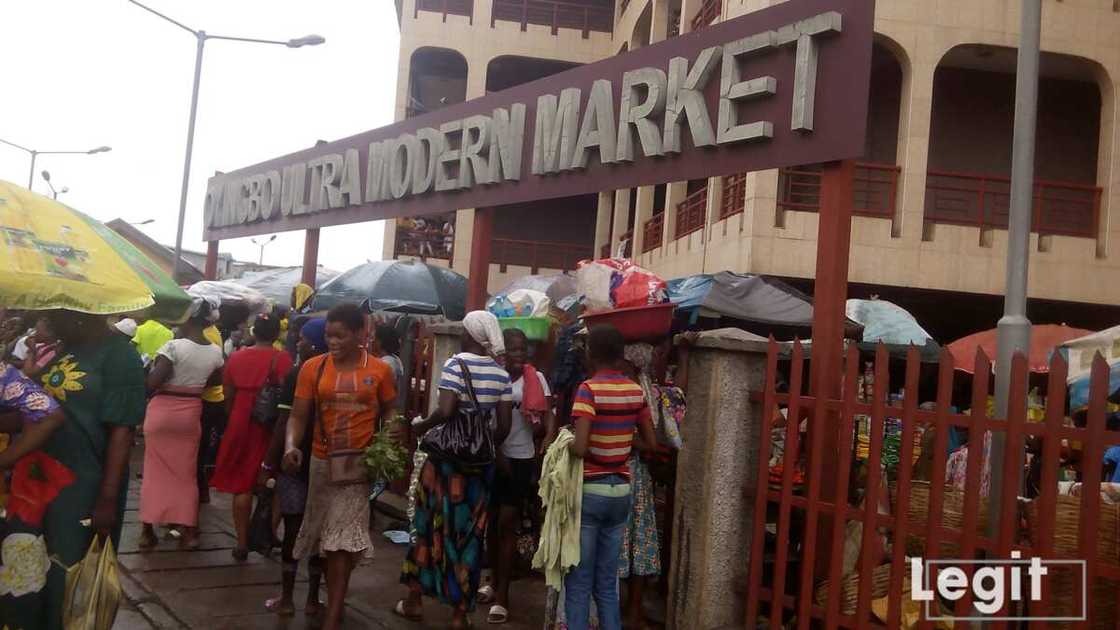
(171, 589)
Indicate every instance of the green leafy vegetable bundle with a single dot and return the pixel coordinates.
(385, 459)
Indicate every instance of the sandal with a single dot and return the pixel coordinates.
(275, 605)
(402, 611)
(147, 541)
(485, 594)
(240, 555)
(498, 615)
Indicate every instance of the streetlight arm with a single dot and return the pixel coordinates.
(20, 147)
(251, 40)
(175, 22)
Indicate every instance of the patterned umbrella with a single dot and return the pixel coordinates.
(56, 257)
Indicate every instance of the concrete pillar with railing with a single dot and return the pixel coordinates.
(689, 8)
(914, 116)
(621, 218)
(713, 514)
(711, 216)
(675, 193)
(603, 222)
(643, 213)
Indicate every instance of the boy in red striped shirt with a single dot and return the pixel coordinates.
(608, 408)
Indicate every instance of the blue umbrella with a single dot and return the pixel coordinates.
(889, 324)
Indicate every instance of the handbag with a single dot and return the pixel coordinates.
(464, 440)
(344, 466)
(93, 589)
(264, 410)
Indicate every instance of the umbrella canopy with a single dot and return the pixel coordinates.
(746, 297)
(889, 324)
(1045, 338)
(1079, 354)
(56, 257)
(399, 287)
(277, 284)
(229, 293)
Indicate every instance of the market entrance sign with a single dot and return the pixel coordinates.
(786, 85)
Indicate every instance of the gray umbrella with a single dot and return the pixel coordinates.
(399, 287)
(277, 284)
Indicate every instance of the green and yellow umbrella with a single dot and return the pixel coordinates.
(52, 256)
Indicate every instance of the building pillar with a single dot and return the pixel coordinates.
(479, 276)
(603, 222)
(643, 213)
(711, 215)
(448, 337)
(713, 517)
(914, 116)
(689, 9)
(464, 227)
(310, 257)
(621, 222)
(211, 271)
(659, 21)
(674, 195)
(389, 251)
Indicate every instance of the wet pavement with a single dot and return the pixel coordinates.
(166, 588)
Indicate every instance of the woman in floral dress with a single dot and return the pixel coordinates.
(81, 472)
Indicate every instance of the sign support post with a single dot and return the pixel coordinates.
(479, 275)
(211, 271)
(310, 256)
(830, 295)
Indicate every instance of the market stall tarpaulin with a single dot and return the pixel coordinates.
(56, 257)
(1079, 354)
(893, 326)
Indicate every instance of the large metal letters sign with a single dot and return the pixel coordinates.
(782, 86)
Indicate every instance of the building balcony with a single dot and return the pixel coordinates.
(707, 14)
(446, 7)
(1060, 208)
(690, 213)
(537, 255)
(733, 199)
(652, 232)
(956, 198)
(874, 189)
(424, 244)
(586, 16)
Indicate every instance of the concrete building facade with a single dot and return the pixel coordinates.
(931, 190)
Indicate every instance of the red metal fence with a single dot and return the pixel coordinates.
(537, 254)
(734, 196)
(802, 574)
(691, 213)
(446, 7)
(557, 14)
(707, 14)
(874, 194)
(652, 232)
(1062, 208)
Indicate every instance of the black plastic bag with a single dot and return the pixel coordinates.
(260, 524)
(464, 440)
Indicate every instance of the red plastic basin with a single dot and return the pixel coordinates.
(636, 322)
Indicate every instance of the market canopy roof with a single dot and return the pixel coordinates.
(742, 296)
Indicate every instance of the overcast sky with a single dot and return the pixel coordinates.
(84, 73)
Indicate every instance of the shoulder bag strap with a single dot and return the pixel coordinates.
(271, 378)
(467, 380)
(315, 397)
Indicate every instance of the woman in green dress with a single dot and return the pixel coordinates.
(98, 380)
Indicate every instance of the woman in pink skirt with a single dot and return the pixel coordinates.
(172, 427)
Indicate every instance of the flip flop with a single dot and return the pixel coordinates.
(273, 605)
(498, 615)
(485, 594)
(402, 612)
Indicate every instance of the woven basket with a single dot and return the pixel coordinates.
(1104, 592)
(952, 516)
(849, 588)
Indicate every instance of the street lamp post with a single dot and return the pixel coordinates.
(201, 37)
(54, 193)
(35, 154)
(262, 244)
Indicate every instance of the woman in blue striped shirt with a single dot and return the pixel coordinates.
(445, 561)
